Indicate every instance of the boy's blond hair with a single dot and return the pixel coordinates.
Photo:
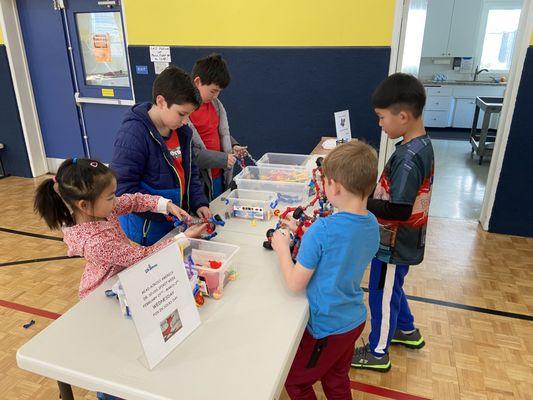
(354, 165)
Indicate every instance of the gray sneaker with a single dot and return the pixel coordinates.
(413, 340)
(364, 359)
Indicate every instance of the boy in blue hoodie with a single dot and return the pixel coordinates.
(152, 154)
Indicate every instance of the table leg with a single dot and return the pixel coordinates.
(65, 391)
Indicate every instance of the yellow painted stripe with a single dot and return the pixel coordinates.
(260, 22)
(1, 37)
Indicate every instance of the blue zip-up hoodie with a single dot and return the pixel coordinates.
(143, 164)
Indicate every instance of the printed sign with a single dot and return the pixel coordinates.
(160, 299)
(342, 125)
(160, 67)
(141, 69)
(160, 54)
(101, 47)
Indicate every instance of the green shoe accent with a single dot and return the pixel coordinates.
(412, 340)
(364, 359)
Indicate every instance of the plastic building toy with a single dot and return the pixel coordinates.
(242, 163)
(212, 224)
(26, 326)
(195, 281)
(117, 292)
(215, 264)
(299, 213)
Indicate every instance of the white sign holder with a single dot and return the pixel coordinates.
(159, 296)
(342, 125)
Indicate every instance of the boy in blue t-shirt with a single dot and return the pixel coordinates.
(333, 256)
(401, 204)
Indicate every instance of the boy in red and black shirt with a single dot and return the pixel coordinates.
(401, 204)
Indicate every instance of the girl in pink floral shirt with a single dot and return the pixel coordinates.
(81, 201)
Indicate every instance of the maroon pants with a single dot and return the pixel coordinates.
(327, 360)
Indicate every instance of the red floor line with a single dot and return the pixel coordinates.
(384, 392)
(29, 310)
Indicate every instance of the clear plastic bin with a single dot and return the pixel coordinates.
(290, 185)
(283, 160)
(251, 204)
(214, 263)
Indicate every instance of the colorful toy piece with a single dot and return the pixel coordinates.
(212, 224)
(215, 264)
(298, 213)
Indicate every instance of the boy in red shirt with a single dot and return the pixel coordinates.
(214, 148)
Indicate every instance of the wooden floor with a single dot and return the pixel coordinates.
(472, 299)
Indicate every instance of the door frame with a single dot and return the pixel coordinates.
(524, 34)
(20, 75)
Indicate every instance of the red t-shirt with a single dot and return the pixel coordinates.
(173, 146)
(206, 121)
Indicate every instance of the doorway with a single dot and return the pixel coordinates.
(79, 74)
(462, 51)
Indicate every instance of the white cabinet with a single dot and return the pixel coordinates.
(463, 115)
(454, 105)
(437, 30)
(439, 104)
(451, 28)
(465, 105)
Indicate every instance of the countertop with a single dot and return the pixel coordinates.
(464, 83)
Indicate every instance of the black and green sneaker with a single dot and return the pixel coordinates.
(364, 359)
(413, 340)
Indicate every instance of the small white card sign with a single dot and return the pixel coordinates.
(342, 125)
(160, 54)
(160, 67)
(161, 303)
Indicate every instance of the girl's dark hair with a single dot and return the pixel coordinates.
(76, 179)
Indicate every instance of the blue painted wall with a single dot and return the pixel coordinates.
(14, 156)
(283, 99)
(513, 206)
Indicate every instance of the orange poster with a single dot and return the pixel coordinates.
(101, 47)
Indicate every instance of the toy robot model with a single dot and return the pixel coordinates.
(299, 213)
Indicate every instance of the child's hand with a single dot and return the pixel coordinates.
(290, 223)
(204, 212)
(178, 212)
(231, 160)
(281, 241)
(240, 151)
(195, 231)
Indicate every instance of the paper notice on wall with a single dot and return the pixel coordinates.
(160, 299)
(467, 64)
(101, 47)
(160, 54)
(160, 67)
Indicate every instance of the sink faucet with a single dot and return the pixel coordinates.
(479, 71)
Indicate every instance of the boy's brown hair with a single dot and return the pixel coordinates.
(176, 86)
(354, 165)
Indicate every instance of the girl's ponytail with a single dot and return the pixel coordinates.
(49, 205)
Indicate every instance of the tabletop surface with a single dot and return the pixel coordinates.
(242, 349)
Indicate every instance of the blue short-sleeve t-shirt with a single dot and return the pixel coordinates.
(338, 248)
